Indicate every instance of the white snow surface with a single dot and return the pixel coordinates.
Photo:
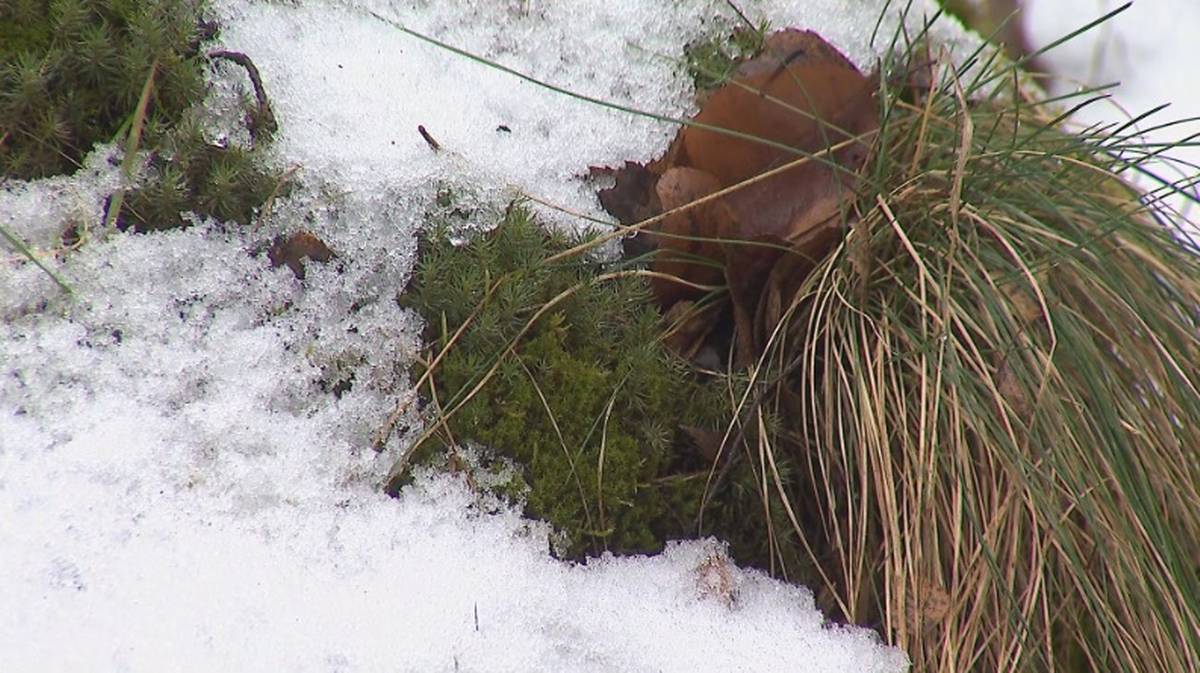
(1149, 52)
(180, 489)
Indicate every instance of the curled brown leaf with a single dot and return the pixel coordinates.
(784, 141)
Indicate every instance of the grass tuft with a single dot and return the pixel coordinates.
(993, 390)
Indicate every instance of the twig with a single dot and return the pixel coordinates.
(264, 117)
(428, 138)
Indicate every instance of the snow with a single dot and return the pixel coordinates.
(179, 486)
(429, 582)
(1149, 50)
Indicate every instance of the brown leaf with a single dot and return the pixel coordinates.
(1012, 390)
(747, 267)
(690, 248)
(294, 249)
(689, 326)
(795, 95)
(631, 199)
(799, 98)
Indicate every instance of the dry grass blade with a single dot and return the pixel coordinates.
(28, 253)
(385, 432)
(695, 203)
(132, 143)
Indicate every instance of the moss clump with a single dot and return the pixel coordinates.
(587, 402)
(190, 174)
(712, 62)
(71, 73)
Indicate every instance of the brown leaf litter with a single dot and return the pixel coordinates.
(787, 137)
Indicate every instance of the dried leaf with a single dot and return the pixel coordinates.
(689, 326)
(631, 199)
(799, 98)
(788, 275)
(294, 249)
(690, 248)
(800, 93)
(747, 268)
(1011, 390)
(715, 580)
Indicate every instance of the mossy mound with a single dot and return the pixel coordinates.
(190, 174)
(71, 73)
(584, 397)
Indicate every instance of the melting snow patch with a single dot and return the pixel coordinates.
(424, 583)
(352, 89)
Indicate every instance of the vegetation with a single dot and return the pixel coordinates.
(191, 174)
(978, 421)
(993, 375)
(976, 429)
(71, 73)
(75, 72)
(991, 390)
(560, 367)
(711, 62)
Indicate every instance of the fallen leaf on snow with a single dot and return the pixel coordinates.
(293, 250)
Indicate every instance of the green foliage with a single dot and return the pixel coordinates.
(71, 72)
(193, 175)
(587, 402)
(711, 62)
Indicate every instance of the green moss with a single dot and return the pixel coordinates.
(71, 72)
(589, 401)
(590, 406)
(711, 62)
(192, 175)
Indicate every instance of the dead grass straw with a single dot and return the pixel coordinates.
(993, 386)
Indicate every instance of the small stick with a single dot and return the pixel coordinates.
(428, 138)
(266, 117)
